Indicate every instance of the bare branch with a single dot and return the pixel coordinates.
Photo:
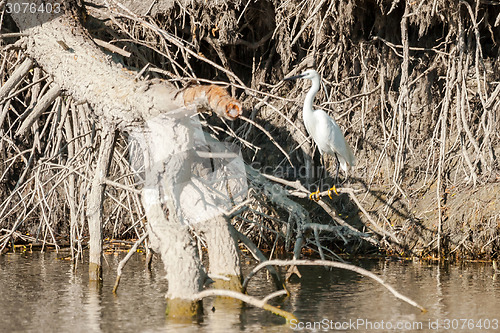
(353, 268)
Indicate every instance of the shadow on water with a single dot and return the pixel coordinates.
(39, 292)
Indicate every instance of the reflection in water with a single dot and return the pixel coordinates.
(93, 307)
(39, 292)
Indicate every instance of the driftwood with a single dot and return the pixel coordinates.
(250, 300)
(353, 268)
(124, 261)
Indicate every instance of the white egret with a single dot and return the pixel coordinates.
(324, 130)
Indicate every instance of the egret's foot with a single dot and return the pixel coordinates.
(330, 191)
(314, 196)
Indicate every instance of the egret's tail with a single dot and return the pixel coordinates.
(347, 160)
(350, 158)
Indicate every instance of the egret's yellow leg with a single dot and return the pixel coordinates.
(314, 196)
(334, 190)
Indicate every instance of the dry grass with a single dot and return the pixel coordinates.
(412, 85)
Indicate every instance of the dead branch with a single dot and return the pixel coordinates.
(269, 136)
(40, 107)
(353, 268)
(257, 254)
(124, 261)
(95, 202)
(249, 299)
(302, 192)
(16, 77)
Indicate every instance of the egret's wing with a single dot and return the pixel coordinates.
(333, 140)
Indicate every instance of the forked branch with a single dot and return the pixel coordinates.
(250, 300)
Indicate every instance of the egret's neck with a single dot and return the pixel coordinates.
(308, 102)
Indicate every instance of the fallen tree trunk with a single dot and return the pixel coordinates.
(156, 115)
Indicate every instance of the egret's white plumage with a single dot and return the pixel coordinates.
(324, 130)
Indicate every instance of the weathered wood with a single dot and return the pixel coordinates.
(15, 78)
(223, 253)
(213, 98)
(39, 108)
(124, 261)
(257, 254)
(95, 202)
(166, 165)
(108, 87)
(155, 114)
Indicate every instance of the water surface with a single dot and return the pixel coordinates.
(40, 293)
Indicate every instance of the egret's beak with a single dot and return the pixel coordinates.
(294, 77)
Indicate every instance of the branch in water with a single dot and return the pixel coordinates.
(353, 268)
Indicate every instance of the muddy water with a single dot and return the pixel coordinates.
(40, 293)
